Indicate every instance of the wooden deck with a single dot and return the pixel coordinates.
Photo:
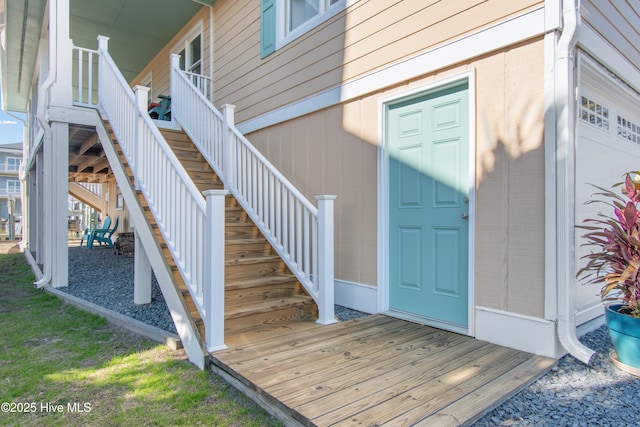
(373, 371)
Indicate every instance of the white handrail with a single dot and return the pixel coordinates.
(287, 219)
(177, 205)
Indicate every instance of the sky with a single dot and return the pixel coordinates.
(10, 128)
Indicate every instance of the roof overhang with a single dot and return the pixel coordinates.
(137, 31)
(20, 28)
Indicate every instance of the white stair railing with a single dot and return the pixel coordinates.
(177, 205)
(302, 234)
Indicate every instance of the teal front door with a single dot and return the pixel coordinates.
(428, 145)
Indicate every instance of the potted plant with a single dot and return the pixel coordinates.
(615, 264)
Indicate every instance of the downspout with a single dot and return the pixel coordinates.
(565, 168)
(44, 123)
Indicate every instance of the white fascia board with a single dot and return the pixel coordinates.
(515, 30)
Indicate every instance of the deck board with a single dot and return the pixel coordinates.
(376, 370)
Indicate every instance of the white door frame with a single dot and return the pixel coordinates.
(383, 193)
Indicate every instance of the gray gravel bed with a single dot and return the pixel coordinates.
(98, 276)
(571, 394)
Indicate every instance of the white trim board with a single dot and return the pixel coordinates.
(356, 296)
(515, 30)
(524, 333)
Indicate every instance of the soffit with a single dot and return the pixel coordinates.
(137, 31)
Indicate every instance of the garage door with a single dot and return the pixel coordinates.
(608, 145)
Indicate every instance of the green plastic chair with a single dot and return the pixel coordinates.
(87, 231)
(161, 111)
(102, 235)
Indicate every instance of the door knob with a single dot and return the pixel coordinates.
(465, 215)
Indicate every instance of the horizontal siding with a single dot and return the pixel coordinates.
(369, 35)
(618, 22)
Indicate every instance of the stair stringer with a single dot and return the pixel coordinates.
(185, 326)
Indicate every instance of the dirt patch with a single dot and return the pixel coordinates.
(10, 247)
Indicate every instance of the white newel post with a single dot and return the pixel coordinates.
(142, 95)
(325, 260)
(175, 65)
(103, 46)
(141, 274)
(228, 112)
(214, 269)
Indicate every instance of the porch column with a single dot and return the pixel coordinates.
(141, 275)
(60, 49)
(38, 225)
(57, 187)
(31, 202)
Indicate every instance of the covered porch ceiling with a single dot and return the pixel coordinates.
(137, 29)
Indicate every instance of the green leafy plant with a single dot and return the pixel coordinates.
(615, 262)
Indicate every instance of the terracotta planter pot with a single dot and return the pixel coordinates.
(625, 335)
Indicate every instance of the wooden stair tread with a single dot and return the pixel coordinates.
(245, 240)
(274, 279)
(268, 305)
(252, 260)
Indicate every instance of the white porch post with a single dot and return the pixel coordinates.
(325, 260)
(142, 95)
(57, 187)
(214, 269)
(39, 209)
(175, 65)
(141, 275)
(62, 89)
(32, 200)
(228, 111)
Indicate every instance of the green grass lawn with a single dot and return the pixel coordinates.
(62, 366)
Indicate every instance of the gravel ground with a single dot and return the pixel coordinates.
(571, 394)
(100, 277)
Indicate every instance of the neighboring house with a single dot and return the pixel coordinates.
(460, 139)
(10, 190)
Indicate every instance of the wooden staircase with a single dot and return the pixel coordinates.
(260, 290)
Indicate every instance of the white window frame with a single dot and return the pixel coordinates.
(185, 44)
(327, 11)
(13, 183)
(17, 161)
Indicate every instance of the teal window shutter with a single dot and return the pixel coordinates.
(267, 27)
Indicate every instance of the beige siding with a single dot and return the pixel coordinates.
(369, 35)
(334, 151)
(159, 66)
(510, 181)
(618, 22)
